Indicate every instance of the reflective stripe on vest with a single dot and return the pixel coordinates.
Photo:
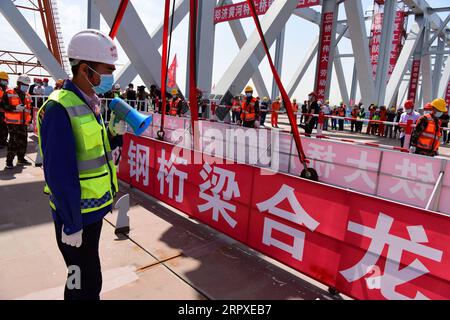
(97, 174)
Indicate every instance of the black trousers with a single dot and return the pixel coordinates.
(86, 259)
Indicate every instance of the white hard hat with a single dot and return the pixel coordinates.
(92, 45)
(24, 79)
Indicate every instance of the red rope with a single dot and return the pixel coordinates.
(193, 103)
(287, 101)
(164, 62)
(118, 19)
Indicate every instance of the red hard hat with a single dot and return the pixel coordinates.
(428, 106)
(45, 79)
(409, 104)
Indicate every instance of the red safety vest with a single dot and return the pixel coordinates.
(174, 107)
(236, 107)
(429, 138)
(248, 111)
(18, 117)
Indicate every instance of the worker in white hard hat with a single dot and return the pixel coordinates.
(76, 148)
(18, 112)
(4, 81)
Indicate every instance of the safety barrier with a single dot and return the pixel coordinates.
(405, 178)
(333, 235)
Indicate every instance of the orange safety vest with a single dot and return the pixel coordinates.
(18, 117)
(248, 111)
(174, 107)
(295, 107)
(341, 112)
(429, 138)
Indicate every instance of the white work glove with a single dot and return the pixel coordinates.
(117, 127)
(73, 240)
(412, 149)
(20, 107)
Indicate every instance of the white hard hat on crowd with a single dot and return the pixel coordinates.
(23, 78)
(92, 45)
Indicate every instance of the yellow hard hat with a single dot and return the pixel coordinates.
(174, 91)
(439, 104)
(4, 75)
(265, 99)
(248, 89)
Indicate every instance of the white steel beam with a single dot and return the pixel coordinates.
(205, 45)
(310, 54)
(129, 72)
(93, 16)
(385, 50)
(436, 34)
(445, 78)
(358, 37)
(31, 39)
(341, 77)
(437, 71)
(403, 60)
(240, 70)
(241, 39)
(278, 61)
(425, 65)
(354, 85)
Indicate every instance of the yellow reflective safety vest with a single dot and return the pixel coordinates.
(97, 173)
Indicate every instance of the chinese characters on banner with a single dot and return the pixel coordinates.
(365, 247)
(241, 10)
(324, 54)
(377, 25)
(414, 80)
(447, 94)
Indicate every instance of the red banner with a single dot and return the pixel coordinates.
(414, 79)
(324, 54)
(172, 73)
(241, 10)
(365, 247)
(447, 94)
(377, 25)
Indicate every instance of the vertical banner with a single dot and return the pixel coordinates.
(447, 94)
(324, 54)
(377, 25)
(414, 79)
(375, 34)
(396, 41)
(241, 10)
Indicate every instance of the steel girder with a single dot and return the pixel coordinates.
(358, 37)
(403, 61)
(31, 39)
(240, 70)
(301, 70)
(129, 72)
(385, 50)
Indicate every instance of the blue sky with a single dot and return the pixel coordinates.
(299, 35)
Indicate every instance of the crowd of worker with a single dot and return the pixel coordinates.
(430, 121)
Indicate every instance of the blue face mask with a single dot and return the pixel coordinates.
(23, 88)
(106, 83)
